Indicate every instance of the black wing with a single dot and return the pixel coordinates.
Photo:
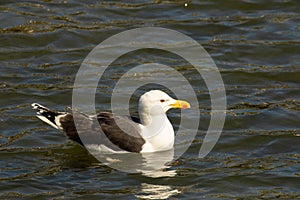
(110, 134)
(127, 138)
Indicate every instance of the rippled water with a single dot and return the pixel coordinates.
(256, 47)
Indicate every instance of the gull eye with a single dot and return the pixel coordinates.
(162, 100)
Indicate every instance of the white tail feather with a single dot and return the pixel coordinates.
(44, 119)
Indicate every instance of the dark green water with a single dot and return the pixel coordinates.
(256, 47)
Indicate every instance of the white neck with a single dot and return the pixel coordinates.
(158, 132)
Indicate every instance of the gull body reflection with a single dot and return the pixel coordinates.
(153, 165)
(152, 191)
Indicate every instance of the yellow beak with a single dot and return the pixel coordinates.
(180, 104)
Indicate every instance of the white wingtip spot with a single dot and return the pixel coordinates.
(37, 106)
(34, 105)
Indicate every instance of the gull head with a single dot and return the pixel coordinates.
(157, 102)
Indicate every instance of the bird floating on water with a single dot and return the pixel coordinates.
(153, 133)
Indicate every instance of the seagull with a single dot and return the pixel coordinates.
(107, 132)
